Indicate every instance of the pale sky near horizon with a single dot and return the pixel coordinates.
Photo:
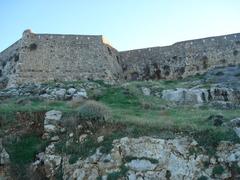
(127, 24)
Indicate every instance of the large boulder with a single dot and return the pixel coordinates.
(80, 95)
(235, 124)
(52, 122)
(185, 96)
(53, 117)
(222, 96)
(141, 165)
(60, 93)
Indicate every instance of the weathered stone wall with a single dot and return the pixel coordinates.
(8, 59)
(46, 57)
(181, 59)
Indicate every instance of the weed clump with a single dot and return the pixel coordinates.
(94, 111)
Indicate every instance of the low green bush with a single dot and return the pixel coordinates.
(94, 111)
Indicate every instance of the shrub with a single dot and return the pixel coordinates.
(33, 46)
(218, 170)
(73, 158)
(92, 110)
(70, 122)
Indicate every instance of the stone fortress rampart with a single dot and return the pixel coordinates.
(49, 57)
(181, 59)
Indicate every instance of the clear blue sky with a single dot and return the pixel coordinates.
(127, 24)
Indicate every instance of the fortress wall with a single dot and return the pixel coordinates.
(181, 59)
(8, 59)
(46, 57)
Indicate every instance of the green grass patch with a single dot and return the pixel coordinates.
(23, 150)
(85, 149)
(210, 138)
(119, 97)
(106, 145)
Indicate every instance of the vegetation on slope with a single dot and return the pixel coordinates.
(132, 114)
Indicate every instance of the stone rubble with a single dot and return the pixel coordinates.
(56, 92)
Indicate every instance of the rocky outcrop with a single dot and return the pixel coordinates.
(225, 97)
(185, 96)
(147, 158)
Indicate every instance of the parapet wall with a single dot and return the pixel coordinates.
(46, 57)
(181, 59)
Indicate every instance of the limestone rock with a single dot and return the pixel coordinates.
(82, 94)
(52, 122)
(235, 124)
(49, 128)
(53, 117)
(60, 93)
(185, 96)
(51, 164)
(71, 91)
(55, 138)
(4, 156)
(141, 165)
(82, 138)
(146, 91)
(228, 152)
(71, 135)
(152, 158)
(100, 139)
